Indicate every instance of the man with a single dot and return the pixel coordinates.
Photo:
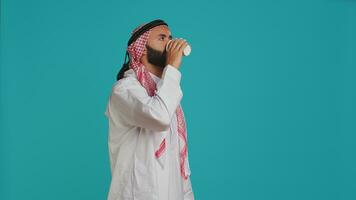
(147, 132)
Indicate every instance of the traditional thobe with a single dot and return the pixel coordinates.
(135, 119)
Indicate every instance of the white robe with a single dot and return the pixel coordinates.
(137, 122)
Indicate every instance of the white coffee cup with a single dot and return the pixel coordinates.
(186, 50)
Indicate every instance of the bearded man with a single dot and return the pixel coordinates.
(147, 130)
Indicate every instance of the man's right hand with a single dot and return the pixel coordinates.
(175, 52)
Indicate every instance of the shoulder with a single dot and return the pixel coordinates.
(127, 87)
(129, 80)
(126, 83)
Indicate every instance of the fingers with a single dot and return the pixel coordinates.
(169, 43)
(176, 45)
(182, 45)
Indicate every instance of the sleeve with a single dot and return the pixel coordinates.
(137, 108)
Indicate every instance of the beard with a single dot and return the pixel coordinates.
(156, 57)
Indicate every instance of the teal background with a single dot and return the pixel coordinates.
(269, 95)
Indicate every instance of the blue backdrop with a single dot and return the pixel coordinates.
(269, 95)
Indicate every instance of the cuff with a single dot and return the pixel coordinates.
(171, 72)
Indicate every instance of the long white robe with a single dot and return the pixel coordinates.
(137, 122)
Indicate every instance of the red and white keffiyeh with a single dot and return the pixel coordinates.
(135, 51)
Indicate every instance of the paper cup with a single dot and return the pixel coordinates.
(186, 50)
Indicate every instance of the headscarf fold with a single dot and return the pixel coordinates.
(135, 51)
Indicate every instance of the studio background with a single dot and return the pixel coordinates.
(269, 95)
